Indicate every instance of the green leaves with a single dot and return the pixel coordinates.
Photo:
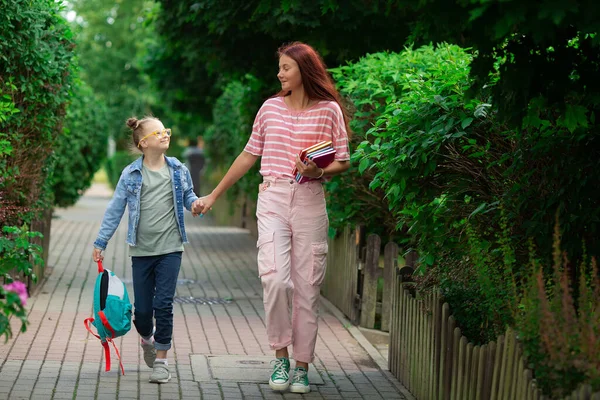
(16, 253)
(575, 116)
(37, 69)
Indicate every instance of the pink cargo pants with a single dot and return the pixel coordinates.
(292, 255)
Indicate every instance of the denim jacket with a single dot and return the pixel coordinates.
(128, 192)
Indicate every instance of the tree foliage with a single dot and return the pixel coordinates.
(209, 42)
(545, 49)
(113, 38)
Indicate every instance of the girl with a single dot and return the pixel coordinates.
(292, 219)
(155, 188)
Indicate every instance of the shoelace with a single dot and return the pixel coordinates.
(279, 370)
(299, 375)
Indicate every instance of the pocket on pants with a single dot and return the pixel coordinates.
(319, 262)
(266, 253)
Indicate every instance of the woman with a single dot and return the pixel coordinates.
(292, 218)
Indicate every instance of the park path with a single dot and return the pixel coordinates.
(219, 350)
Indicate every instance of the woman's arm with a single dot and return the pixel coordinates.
(311, 170)
(336, 168)
(240, 166)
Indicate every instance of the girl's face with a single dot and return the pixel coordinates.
(155, 142)
(289, 74)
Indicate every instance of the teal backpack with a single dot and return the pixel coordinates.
(112, 312)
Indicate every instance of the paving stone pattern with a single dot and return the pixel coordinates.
(56, 358)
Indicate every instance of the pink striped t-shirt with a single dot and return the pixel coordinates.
(279, 134)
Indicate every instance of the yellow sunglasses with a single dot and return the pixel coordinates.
(163, 132)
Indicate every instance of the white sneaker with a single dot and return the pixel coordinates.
(160, 373)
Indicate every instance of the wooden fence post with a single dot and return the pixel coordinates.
(389, 280)
(370, 277)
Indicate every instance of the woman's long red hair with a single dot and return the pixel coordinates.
(317, 82)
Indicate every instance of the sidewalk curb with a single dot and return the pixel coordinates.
(370, 349)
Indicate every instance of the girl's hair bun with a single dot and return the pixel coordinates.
(133, 123)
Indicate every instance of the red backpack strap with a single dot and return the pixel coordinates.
(118, 355)
(100, 267)
(106, 354)
(106, 323)
(86, 323)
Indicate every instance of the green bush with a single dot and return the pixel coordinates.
(115, 165)
(18, 255)
(36, 74)
(427, 149)
(233, 117)
(81, 148)
(424, 143)
(36, 71)
(368, 86)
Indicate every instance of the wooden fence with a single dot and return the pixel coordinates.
(354, 270)
(427, 352)
(340, 283)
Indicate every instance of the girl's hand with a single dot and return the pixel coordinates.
(97, 255)
(310, 170)
(203, 205)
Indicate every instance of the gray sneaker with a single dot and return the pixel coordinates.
(149, 353)
(160, 373)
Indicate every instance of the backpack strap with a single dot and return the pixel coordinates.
(100, 267)
(86, 323)
(106, 323)
(118, 355)
(106, 354)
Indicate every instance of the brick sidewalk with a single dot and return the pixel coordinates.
(57, 359)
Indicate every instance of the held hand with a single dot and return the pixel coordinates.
(310, 170)
(97, 255)
(197, 207)
(203, 205)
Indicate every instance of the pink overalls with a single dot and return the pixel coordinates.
(292, 220)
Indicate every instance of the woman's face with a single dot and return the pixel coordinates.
(289, 74)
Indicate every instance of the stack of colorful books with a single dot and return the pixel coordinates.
(321, 153)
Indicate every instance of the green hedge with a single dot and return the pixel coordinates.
(81, 148)
(36, 74)
(233, 116)
(115, 165)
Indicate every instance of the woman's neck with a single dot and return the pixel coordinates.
(299, 100)
(153, 160)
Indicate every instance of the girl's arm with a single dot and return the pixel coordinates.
(189, 197)
(112, 216)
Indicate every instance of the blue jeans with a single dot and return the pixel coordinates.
(154, 282)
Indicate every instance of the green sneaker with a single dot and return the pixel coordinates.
(280, 378)
(300, 381)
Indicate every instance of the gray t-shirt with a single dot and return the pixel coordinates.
(158, 232)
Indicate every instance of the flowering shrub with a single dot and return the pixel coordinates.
(17, 255)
